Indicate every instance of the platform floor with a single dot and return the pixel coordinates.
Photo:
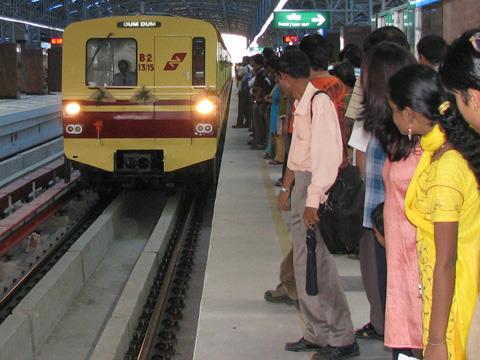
(249, 239)
(28, 102)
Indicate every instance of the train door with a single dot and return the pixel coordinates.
(173, 67)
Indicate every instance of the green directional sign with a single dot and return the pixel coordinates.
(300, 19)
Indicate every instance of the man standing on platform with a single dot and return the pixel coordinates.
(315, 155)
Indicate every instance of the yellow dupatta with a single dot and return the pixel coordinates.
(430, 143)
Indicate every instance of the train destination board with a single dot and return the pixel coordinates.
(139, 24)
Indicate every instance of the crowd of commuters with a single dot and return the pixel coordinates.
(412, 127)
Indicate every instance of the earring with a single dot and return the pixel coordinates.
(410, 132)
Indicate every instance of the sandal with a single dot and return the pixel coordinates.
(368, 332)
(275, 162)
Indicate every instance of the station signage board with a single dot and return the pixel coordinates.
(420, 3)
(56, 41)
(301, 19)
(255, 49)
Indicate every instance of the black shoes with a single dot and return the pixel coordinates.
(257, 147)
(302, 345)
(368, 332)
(337, 352)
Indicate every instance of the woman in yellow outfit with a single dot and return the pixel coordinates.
(443, 202)
(461, 74)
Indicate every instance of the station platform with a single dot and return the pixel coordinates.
(29, 106)
(248, 242)
(30, 134)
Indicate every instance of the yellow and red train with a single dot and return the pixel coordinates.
(143, 96)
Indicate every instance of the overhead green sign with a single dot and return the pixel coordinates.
(300, 19)
(255, 48)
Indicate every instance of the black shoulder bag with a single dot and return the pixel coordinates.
(341, 216)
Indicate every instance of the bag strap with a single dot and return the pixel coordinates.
(313, 97)
(345, 152)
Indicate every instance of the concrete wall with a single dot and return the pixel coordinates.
(459, 16)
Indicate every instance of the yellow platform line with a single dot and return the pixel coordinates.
(283, 235)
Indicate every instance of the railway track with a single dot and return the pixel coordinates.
(38, 264)
(27, 247)
(154, 337)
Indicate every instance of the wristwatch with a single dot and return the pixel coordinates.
(284, 189)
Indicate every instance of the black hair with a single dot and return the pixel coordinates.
(433, 48)
(352, 53)
(345, 72)
(318, 50)
(381, 62)
(268, 53)
(290, 47)
(272, 63)
(295, 63)
(419, 87)
(123, 61)
(258, 59)
(377, 219)
(386, 33)
(461, 67)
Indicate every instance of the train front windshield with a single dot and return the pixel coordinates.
(111, 62)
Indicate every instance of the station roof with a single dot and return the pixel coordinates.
(228, 16)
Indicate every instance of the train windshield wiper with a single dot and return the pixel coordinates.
(102, 45)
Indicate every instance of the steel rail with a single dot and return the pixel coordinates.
(150, 334)
(27, 281)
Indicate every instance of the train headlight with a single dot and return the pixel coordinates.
(72, 109)
(205, 107)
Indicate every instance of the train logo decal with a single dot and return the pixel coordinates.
(173, 63)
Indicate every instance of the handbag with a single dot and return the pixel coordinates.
(341, 216)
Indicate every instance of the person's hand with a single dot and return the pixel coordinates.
(283, 200)
(436, 352)
(380, 238)
(310, 217)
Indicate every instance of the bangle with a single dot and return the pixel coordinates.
(436, 344)
(284, 189)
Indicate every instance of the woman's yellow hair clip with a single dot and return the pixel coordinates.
(444, 106)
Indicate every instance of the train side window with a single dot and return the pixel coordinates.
(198, 61)
(111, 62)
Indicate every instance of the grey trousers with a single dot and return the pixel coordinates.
(370, 276)
(326, 315)
(287, 276)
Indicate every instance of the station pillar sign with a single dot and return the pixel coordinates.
(301, 19)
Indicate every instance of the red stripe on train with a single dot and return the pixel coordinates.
(130, 103)
(132, 124)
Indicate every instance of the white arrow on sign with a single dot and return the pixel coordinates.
(319, 19)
